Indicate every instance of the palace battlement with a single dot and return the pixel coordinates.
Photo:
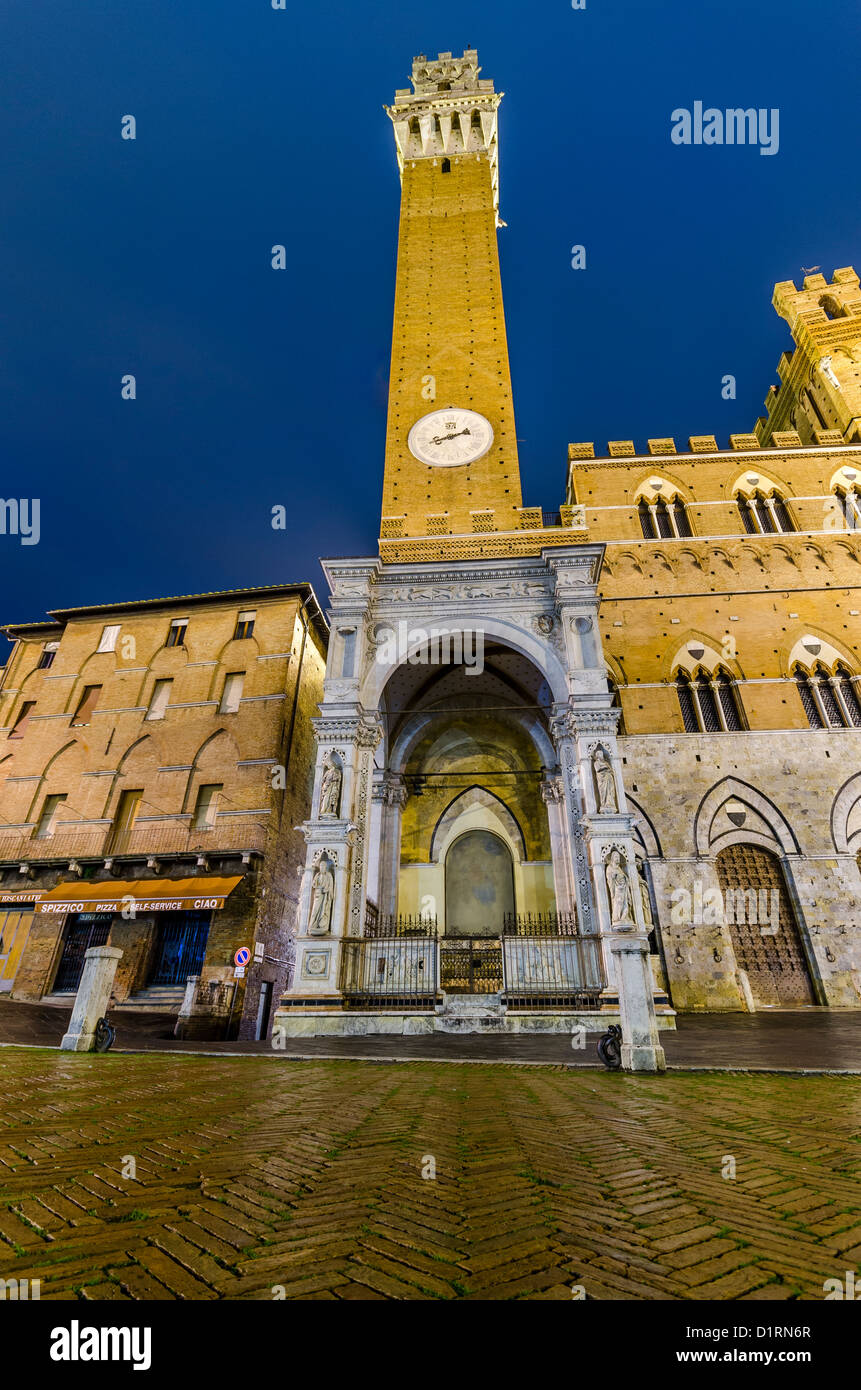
(700, 444)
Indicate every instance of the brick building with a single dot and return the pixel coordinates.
(155, 759)
(731, 629)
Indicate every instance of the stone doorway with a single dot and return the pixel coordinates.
(756, 902)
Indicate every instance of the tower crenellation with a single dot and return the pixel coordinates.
(820, 379)
(450, 112)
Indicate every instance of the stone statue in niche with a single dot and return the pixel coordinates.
(330, 788)
(322, 898)
(618, 889)
(645, 897)
(605, 780)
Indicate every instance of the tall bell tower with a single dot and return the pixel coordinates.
(451, 465)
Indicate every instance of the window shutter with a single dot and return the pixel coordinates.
(87, 704)
(232, 693)
(159, 701)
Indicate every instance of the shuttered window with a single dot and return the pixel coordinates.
(45, 828)
(86, 704)
(232, 693)
(159, 701)
(17, 730)
(207, 806)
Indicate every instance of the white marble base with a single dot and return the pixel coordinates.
(347, 1024)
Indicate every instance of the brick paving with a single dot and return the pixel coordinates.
(308, 1176)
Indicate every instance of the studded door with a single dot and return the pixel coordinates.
(762, 926)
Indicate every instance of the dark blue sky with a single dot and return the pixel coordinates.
(257, 126)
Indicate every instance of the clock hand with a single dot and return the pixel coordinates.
(441, 439)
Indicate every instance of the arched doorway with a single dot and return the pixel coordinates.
(479, 885)
(763, 928)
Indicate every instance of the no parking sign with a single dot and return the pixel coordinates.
(240, 961)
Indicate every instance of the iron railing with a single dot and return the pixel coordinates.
(240, 836)
(547, 963)
(394, 971)
(539, 924)
(382, 925)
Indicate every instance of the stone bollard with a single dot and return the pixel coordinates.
(91, 1001)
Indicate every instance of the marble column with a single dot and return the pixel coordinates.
(586, 737)
(341, 837)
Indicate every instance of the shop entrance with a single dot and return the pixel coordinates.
(83, 930)
(180, 948)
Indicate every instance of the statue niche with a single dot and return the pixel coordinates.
(605, 780)
(322, 898)
(330, 788)
(619, 891)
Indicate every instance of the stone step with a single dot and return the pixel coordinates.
(470, 1013)
(168, 997)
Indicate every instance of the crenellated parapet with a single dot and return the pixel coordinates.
(451, 113)
(820, 380)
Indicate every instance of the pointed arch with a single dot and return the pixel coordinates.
(644, 829)
(445, 831)
(846, 816)
(767, 826)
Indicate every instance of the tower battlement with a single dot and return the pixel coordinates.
(450, 113)
(820, 380)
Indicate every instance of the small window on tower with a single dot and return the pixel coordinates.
(446, 166)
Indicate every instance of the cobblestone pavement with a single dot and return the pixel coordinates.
(310, 1176)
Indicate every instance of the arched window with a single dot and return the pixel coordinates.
(709, 704)
(446, 166)
(663, 519)
(830, 702)
(850, 505)
(728, 700)
(764, 516)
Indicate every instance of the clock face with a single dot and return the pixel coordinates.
(446, 438)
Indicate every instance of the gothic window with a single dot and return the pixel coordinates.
(850, 505)
(686, 700)
(811, 709)
(847, 689)
(709, 703)
(764, 516)
(664, 520)
(830, 702)
(446, 166)
(728, 699)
